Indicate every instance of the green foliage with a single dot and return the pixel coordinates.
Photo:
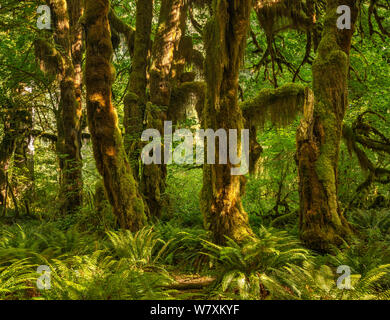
(374, 223)
(185, 249)
(312, 282)
(184, 189)
(142, 249)
(275, 266)
(101, 277)
(40, 244)
(91, 259)
(15, 278)
(241, 267)
(273, 191)
(127, 266)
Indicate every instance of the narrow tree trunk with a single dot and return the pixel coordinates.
(67, 37)
(225, 42)
(322, 223)
(135, 99)
(23, 179)
(7, 149)
(167, 37)
(108, 147)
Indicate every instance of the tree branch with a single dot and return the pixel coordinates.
(280, 105)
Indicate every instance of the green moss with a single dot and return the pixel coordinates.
(280, 106)
(322, 224)
(111, 159)
(225, 41)
(277, 16)
(130, 97)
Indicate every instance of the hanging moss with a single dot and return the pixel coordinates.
(280, 106)
(278, 15)
(225, 41)
(49, 59)
(350, 139)
(181, 96)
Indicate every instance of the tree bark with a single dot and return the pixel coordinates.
(7, 149)
(109, 151)
(322, 223)
(23, 179)
(166, 40)
(68, 38)
(225, 42)
(135, 100)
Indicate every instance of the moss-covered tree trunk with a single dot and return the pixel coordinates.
(322, 223)
(225, 42)
(135, 99)
(7, 149)
(68, 39)
(167, 37)
(109, 151)
(23, 179)
(16, 128)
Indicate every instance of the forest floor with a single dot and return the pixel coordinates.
(175, 259)
(191, 286)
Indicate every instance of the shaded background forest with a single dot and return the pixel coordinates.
(173, 255)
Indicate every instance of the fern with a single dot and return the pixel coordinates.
(241, 268)
(15, 278)
(101, 277)
(142, 249)
(311, 282)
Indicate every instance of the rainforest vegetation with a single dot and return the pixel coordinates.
(83, 217)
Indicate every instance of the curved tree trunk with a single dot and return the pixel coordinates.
(108, 147)
(322, 223)
(225, 42)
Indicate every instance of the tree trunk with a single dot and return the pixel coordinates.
(23, 179)
(7, 149)
(109, 151)
(322, 223)
(167, 37)
(225, 42)
(135, 99)
(68, 38)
